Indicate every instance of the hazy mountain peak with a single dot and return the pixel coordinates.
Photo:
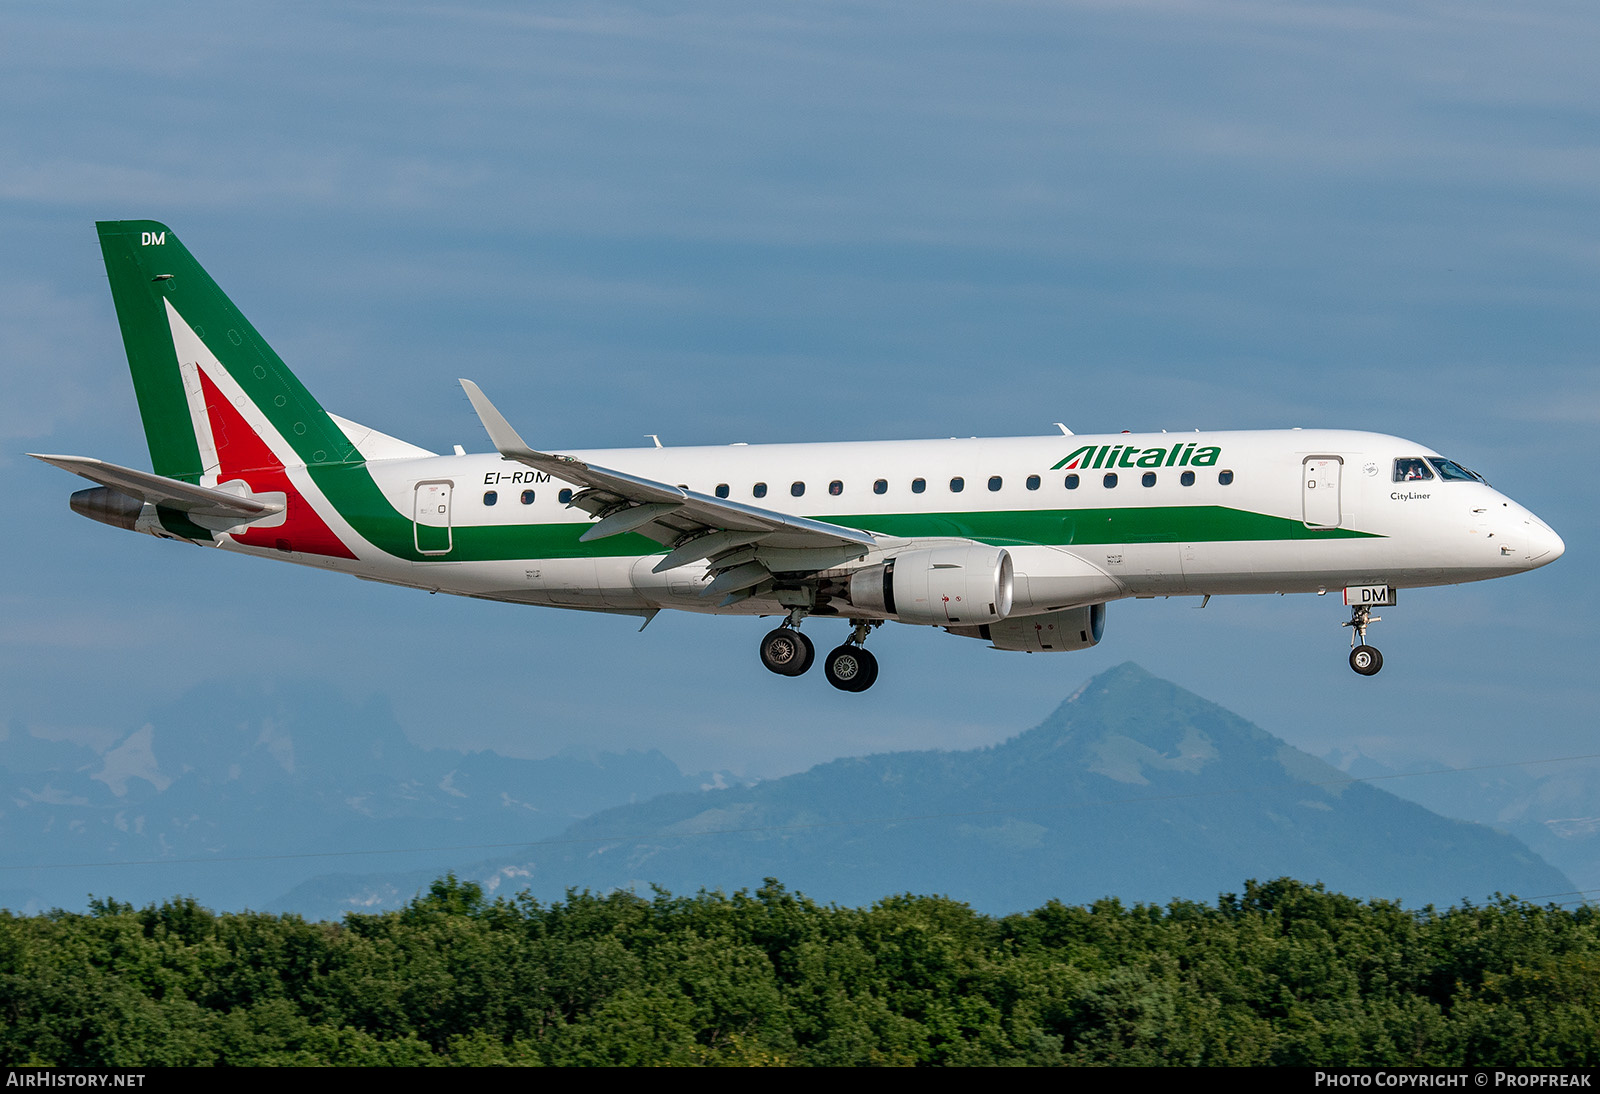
(274, 768)
(1133, 727)
(132, 759)
(1133, 786)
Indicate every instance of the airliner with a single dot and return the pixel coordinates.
(1019, 542)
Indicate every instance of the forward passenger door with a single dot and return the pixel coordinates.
(1319, 492)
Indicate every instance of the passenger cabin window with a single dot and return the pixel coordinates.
(491, 496)
(1072, 482)
(1225, 478)
(957, 484)
(797, 489)
(527, 497)
(881, 486)
(1111, 480)
(1149, 478)
(759, 490)
(1033, 482)
(1411, 469)
(722, 490)
(565, 497)
(1187, 478)
(994, 483)
(835, 488)
(918, 485)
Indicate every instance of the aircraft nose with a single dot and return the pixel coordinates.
(1544, 546)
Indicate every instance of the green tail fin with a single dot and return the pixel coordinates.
(175, 319)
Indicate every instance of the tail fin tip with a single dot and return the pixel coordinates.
(179, 326)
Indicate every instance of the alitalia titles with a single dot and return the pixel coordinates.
(1092, 457)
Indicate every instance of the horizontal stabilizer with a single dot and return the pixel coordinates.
(198, 501)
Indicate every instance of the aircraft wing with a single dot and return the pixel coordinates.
(186, 497)
(746, 545)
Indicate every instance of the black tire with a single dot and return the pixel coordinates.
(1366, 660)
(787, 652)
(809, 657)
(850, 668)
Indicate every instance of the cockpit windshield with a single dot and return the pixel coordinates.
(1411, 469)
(1450, 471)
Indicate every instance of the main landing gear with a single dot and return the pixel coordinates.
(849, 667)
(1364, 659)
(787, 652)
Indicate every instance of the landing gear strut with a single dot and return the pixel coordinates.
(850, 667)
(1364, 659)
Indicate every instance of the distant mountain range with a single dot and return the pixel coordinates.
(264, 785)
(1133, 788)
(1552, 807)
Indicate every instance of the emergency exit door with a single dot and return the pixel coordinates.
(1320, 491)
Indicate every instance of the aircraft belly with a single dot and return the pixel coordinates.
(592, 584)
(1267, 566)
(1048, 578)
(679, 587)
(586, 582)
(1149, 569)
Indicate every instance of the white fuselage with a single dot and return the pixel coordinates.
(1249, 521)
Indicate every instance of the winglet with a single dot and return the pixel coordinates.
(506, 440)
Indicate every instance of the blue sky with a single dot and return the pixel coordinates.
(725, 222)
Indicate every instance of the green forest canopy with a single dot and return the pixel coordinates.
(1284, 973)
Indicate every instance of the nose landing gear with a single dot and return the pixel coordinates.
(1364, 659)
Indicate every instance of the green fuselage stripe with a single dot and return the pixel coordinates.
(360, 502)
(1068, 527)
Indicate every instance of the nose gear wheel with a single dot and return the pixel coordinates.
(1364, 659)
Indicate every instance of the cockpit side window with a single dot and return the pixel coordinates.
(1450, 471)
(1411, 469)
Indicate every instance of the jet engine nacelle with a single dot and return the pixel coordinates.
(941, 586)
(1052, 632)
